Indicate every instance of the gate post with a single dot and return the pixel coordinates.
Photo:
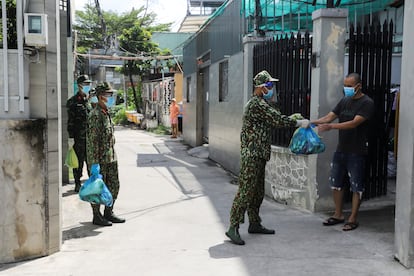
(404, 221)
(248, 44)
(328, 51)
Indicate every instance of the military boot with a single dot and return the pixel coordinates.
(109, 215)
(257, 228)
(233, 234)
(98, 219)
(77, 187)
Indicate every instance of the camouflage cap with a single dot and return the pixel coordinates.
(103, 87)
(262, 77)
(83, 79)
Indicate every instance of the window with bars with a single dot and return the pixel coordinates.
(188, 87)
(63, 5)
(223, 81)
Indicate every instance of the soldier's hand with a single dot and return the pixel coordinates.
(296, 116)
(303, 123)
(71, 142)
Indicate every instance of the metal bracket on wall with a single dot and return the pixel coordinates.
(315, 59)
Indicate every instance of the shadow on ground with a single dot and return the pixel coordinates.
(87, 229)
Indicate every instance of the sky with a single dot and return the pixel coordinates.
(166, 10)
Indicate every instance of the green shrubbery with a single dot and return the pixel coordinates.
(118, 115)
(11, 25)
(118, 112)
(162, 130)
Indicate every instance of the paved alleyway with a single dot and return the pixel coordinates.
(177, 210)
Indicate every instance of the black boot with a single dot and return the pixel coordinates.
(98, 219)
(233, 234)
(109, 215)
(77, 180)
(257, 228)
(77, 187)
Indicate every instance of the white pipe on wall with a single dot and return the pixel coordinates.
(5, 57)
(20, 58)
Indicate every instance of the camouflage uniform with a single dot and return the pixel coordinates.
(259, 117)
(78, 109)
(100, 143)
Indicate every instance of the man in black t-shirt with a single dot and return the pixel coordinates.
(353, 112)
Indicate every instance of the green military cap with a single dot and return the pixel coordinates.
(103, 87)
(262, 77)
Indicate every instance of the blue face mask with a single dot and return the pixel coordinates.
(269, 94)
(94, 99)
(86, 89)
(110, 101)
(349, 91)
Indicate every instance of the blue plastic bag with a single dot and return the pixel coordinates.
(94, 189)
(306, 141)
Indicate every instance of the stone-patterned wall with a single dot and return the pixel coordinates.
(289, 179)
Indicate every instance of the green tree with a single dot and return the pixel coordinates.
(137, 44)
(89, 29)
(88, 26)
(132, 29)
(11, 25)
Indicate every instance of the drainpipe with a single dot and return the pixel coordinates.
(329, 4)
(257, 17)
(19, 19)
(161, 96)
(5, 57)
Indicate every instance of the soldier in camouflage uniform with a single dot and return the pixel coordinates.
(78, 108)
(259, 117)
(100, 143)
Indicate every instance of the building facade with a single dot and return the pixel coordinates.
(34, 77)
(217, 84)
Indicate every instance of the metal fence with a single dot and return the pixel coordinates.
(370, 53)
(288, 59)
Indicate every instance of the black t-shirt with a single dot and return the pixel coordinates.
(354, 140)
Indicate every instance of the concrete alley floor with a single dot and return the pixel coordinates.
(177, 210)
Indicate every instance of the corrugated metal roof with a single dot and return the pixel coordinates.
(172, 41)
(289, 15)
(192, 23)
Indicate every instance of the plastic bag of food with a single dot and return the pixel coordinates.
(306, 141)
(94, 189)
(71, 159)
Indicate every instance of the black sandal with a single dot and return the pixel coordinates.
(349, 226)
(332, 221)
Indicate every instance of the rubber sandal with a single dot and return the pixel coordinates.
(349, 226)
(333, 221)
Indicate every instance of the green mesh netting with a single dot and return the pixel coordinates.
(294, 15)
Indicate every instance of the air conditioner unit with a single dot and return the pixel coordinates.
(35, 29)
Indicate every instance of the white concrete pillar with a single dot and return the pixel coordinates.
(248, 45)
(328, 50)
(404, 213)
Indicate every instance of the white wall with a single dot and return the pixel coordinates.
(12, 70)
(23, 219)
(31, 153)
